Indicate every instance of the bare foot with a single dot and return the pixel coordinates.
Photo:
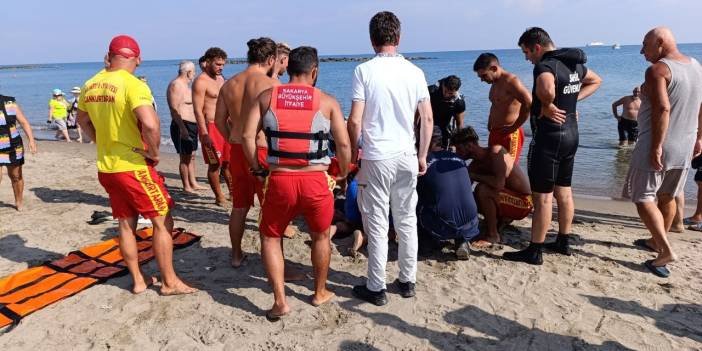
(197, 187)
(18, 207)
(322, 298)
(140, 287)
(357, 243)
(190, 192)
(486, 241)
(238, 261)
(289, 232)
(180, 288)
(276, 313)
(221, 203)
(677, 229)
(293, 275)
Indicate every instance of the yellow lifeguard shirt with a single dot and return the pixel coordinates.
(110, 98)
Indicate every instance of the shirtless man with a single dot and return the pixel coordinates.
(628, 126)
(503, 193)
(238, 94)
(511, 102)
(183, 126)
(215, 148)
(281, 60)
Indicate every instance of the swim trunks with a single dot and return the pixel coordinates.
(184, 146)
(11, 147)
(511, 142)
(289, 194)
(221, 148)
(244, 184)
(512, 205)
(334, 168)
(628, 129)
(139, 192)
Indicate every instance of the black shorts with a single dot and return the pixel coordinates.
(628, 129)
(552, 154)
(697, 163)
(184, 146)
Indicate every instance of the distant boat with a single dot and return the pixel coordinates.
(596, 43)
(616, 46)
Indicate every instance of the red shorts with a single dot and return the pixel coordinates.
(513, 205)
(244, 184)
(289, 194)
(512, 142)
(134, 193)
(334, 169)
(222, 148)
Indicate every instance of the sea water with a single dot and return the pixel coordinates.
(600, 165)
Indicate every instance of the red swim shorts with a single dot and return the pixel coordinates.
(512, 142)
(334, 168)
(244, 184)
(289, 194)
(134, 193)
(513, 205)
(222, 148)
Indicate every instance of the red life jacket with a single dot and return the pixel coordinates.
(297, 133)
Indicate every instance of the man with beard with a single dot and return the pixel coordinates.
(215, 148)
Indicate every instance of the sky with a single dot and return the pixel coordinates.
(79, 31)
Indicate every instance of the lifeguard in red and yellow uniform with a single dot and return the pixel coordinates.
(299, 122)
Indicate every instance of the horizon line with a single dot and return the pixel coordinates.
(325, 55)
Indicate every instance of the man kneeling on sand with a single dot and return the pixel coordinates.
(502, 193)
(298, 120)
(446, 209)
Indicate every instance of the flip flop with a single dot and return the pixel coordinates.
(695, 226)
(690, 221)
(660, 271)
(643, 244)
(275, 317)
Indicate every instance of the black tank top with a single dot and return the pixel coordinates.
(566, 65)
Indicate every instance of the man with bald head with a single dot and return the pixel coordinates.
(116, 110)
(671, 110)
(184, 131)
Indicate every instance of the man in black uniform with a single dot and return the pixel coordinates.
(560, 80)
(448, 106)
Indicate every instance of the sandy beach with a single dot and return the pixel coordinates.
(601, 298)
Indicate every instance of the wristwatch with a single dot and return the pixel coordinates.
(261, 172)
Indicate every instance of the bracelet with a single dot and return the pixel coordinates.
(261, 172)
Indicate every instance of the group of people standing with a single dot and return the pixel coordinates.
(276, 141)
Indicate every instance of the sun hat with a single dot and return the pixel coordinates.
(57, 92)
(75, 90)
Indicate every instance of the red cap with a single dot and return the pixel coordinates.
(121, 42)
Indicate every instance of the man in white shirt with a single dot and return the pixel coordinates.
(387, 91)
